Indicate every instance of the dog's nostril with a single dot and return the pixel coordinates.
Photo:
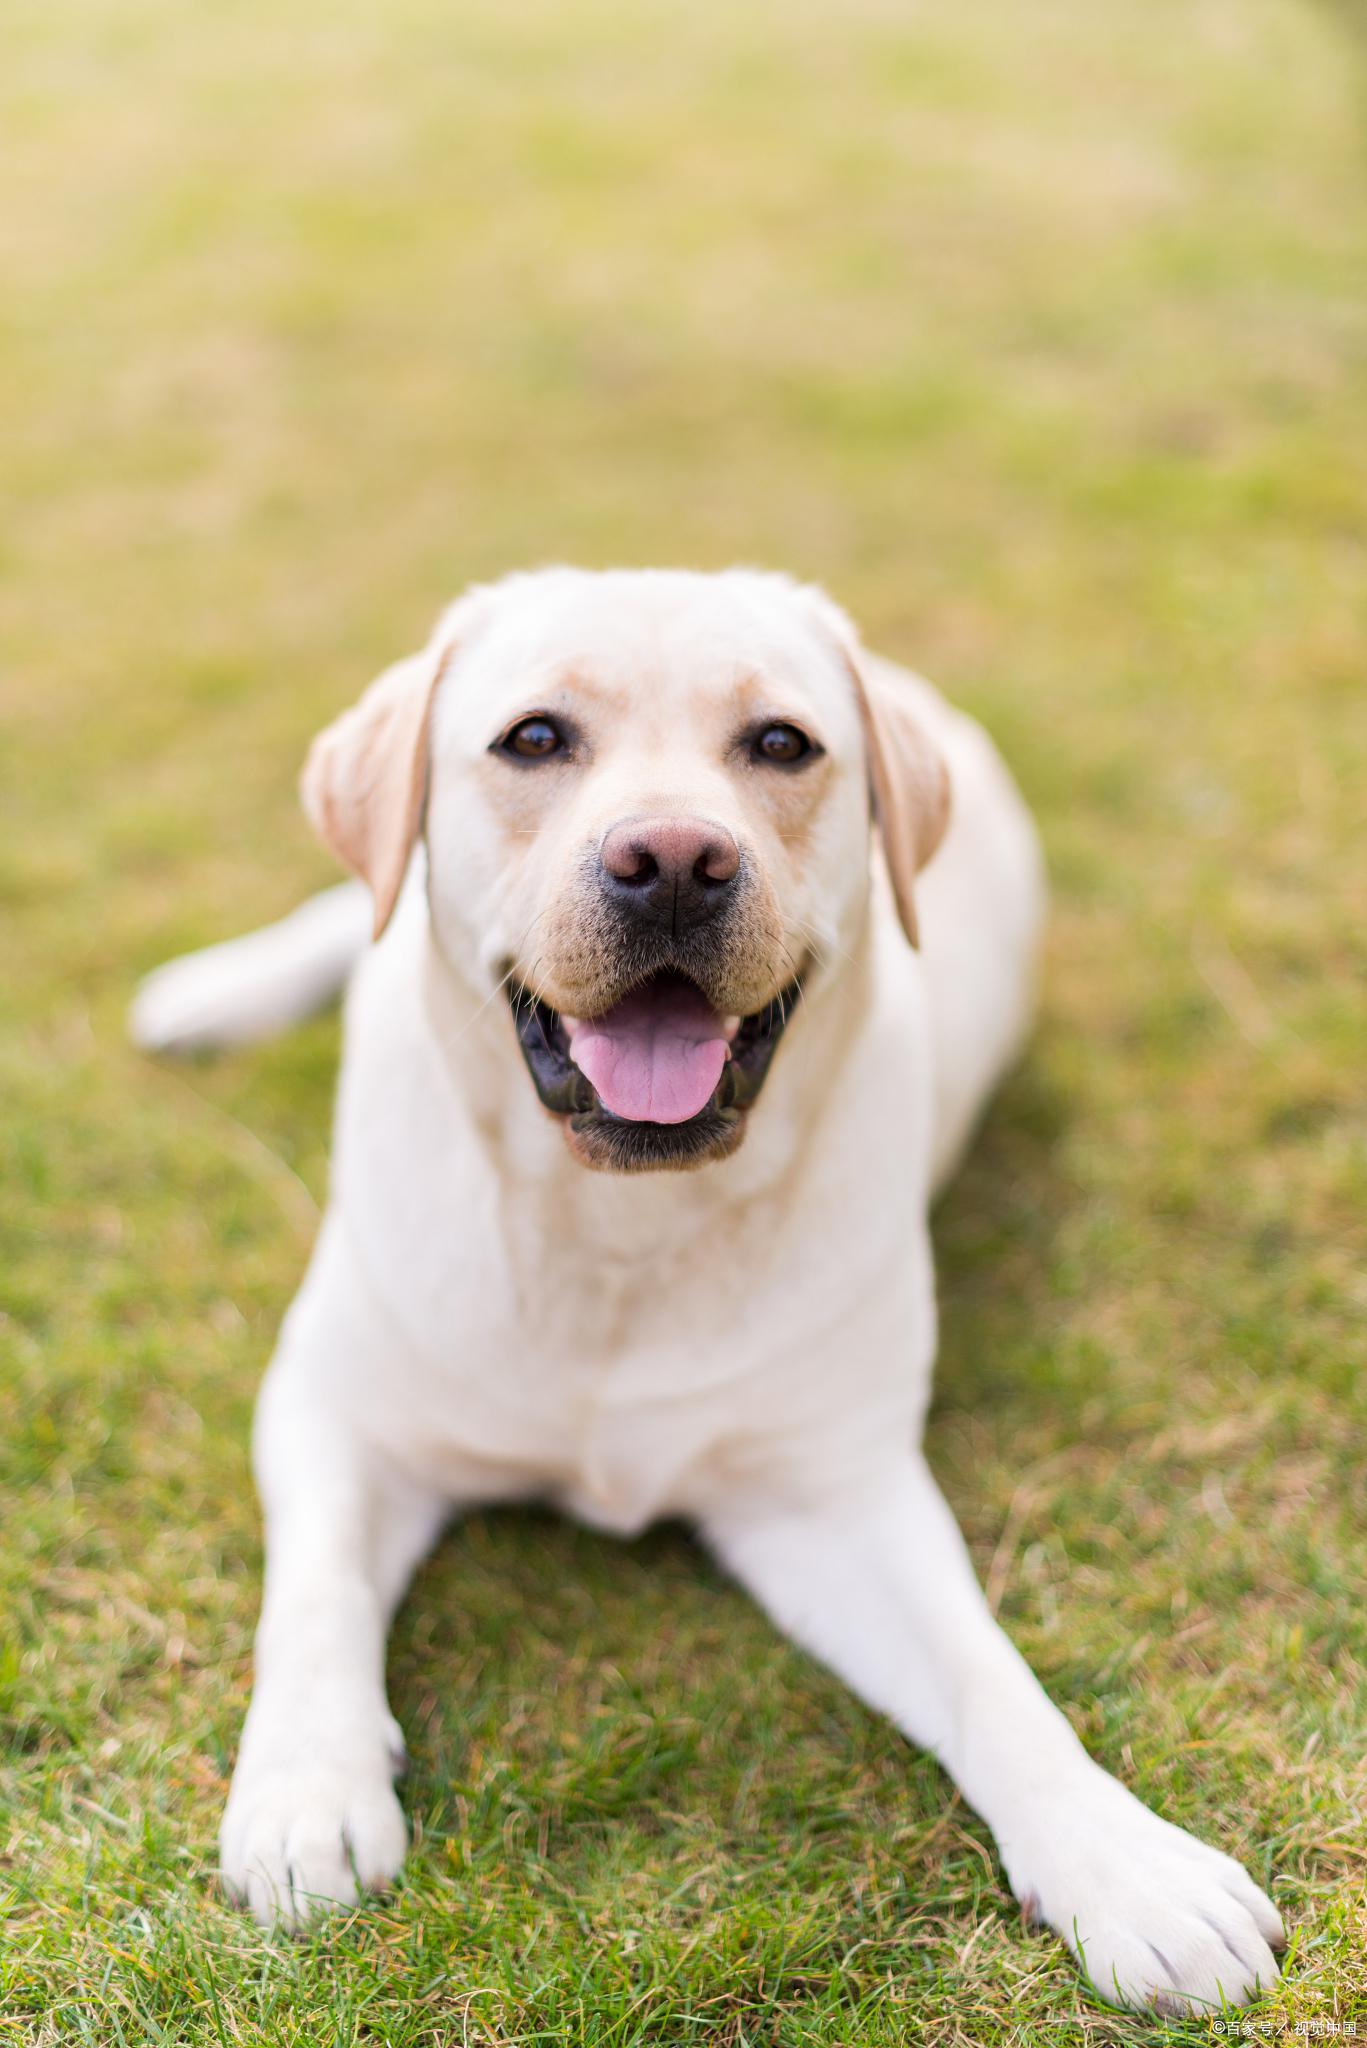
(645, 869)
(716, 866)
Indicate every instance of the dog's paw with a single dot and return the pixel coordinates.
(311, 1825)
(1156, 1919)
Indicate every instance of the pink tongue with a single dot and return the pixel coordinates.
(656, 1056)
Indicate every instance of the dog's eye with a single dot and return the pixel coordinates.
(782, 744)
(534, 739)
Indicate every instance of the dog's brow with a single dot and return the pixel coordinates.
(572, 680)
(748, 685)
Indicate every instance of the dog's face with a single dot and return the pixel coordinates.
(647, 816)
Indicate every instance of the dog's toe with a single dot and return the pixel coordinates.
(1156, 1919)
(300, 1843)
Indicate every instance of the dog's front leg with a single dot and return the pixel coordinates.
(312, 1817)
(878, 1584)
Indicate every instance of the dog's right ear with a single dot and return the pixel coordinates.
(364, 785)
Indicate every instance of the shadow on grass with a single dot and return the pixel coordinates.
(997, 1233)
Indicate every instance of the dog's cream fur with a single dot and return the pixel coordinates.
(748, 1345)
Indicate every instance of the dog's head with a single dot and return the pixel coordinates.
(646, 798)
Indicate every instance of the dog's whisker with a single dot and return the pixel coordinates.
(539, 1004)
(795, 985)
(823, 945)
(503, 982)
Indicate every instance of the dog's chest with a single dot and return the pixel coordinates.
(625, 1388)
(649, 1377)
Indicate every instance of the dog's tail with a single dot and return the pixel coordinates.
(253, 987)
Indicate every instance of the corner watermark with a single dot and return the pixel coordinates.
(1248, 2027)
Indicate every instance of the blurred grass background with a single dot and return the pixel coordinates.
(1038, 335)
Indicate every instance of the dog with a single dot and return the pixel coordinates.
(703, 936)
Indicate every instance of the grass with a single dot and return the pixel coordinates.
(1039, 334)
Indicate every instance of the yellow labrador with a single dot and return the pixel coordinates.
(646, 1092)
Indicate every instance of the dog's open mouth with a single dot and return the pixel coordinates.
(661, 1079)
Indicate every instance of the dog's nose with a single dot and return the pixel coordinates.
(671, 871)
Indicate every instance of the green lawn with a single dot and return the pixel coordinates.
(1039, 333)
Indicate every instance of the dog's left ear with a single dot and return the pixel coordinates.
(364, 783)
(908, 779)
